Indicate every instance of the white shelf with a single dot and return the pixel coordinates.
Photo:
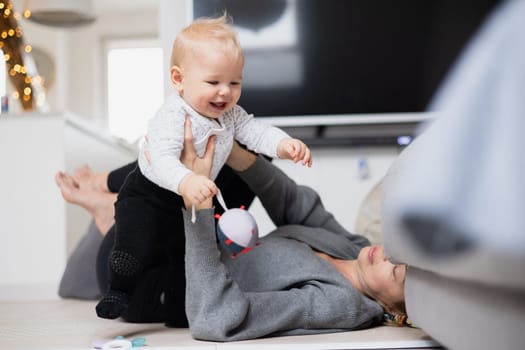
(350, 119)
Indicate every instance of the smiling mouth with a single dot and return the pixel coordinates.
(219, 105)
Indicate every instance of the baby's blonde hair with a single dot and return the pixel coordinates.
(206, 30)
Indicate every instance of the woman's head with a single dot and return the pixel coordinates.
(381, 280)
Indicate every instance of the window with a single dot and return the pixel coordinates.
(135, 85)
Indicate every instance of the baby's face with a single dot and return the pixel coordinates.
(211, 80)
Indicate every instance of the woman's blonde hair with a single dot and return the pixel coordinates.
(396, 314)
(206, 30)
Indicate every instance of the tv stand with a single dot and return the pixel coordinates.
(353, 130)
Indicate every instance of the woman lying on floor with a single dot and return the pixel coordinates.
(308, 276)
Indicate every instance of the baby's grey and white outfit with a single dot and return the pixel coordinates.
(165, 140)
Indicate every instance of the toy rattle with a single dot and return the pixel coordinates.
(237, 229)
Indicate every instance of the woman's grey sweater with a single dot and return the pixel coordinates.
(280, 287)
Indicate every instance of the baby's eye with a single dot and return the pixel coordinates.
(213, 82)
(235, 83)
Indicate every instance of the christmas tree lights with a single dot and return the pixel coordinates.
(20, 66)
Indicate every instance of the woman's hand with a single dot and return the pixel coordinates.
(189, 157)
(201, 168)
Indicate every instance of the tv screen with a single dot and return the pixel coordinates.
(344, 57)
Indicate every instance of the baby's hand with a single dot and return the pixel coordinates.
(197, 188)
(295, 150)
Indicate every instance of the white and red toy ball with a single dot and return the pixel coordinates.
(237, 231)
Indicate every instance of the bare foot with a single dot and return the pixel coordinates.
(99, 204)
(68, 186)
(88, 180)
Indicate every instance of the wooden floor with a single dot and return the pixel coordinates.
(72, 325)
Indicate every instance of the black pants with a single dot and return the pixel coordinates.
(149, 227)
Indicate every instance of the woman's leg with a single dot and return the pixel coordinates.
(79, 280)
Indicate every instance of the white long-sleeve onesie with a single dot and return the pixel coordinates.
(165, 140)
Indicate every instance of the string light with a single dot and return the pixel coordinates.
(19, 61)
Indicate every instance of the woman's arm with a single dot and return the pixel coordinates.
(286, 202)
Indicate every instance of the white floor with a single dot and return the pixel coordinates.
(73, 325)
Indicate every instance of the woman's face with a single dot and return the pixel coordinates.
(382, 280)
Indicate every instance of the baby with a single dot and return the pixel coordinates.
(206, 71)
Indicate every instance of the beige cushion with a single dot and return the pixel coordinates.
(368, 220)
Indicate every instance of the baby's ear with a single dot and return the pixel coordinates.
(177, 78)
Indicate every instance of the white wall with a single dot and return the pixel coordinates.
(172, 17)
(86, 71)
(33, 232)
(38, 228)
(335, 175)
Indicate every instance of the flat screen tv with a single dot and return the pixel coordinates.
(344, 60)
